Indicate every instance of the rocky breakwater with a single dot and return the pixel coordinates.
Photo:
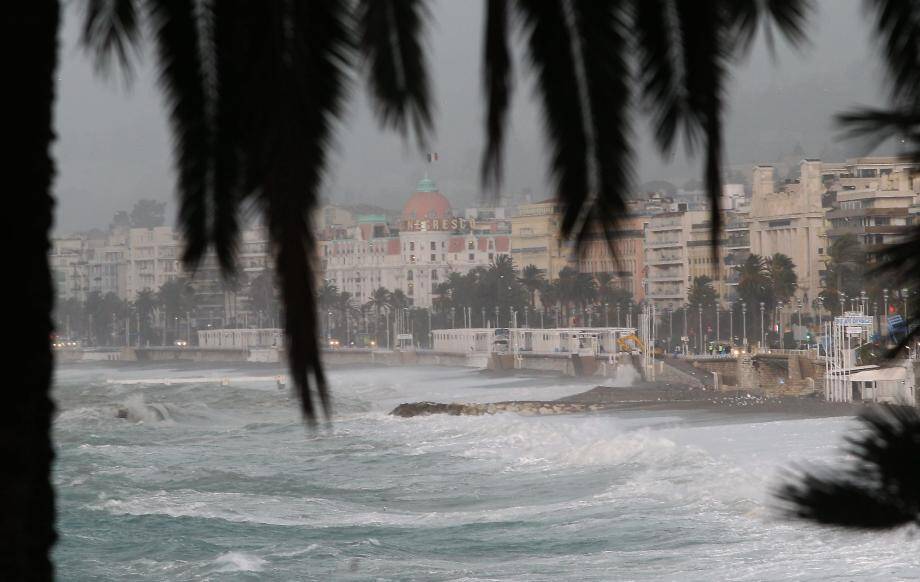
(474, 409)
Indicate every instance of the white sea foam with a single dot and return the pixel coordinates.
(621, 496)
(239, 562)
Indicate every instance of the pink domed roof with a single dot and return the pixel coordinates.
(426, 203)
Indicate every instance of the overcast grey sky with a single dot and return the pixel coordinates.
(114, 148)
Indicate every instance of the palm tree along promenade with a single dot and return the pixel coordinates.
(791, 257)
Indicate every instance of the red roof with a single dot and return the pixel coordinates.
(456, 244)
(423, 205)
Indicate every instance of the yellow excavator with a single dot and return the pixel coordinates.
(623, 343)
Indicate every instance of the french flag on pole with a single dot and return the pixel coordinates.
(432, 157)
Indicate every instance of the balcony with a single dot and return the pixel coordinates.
(678, 276)
(659, 244)
(670, 259)
(662, 225)
(657, 294)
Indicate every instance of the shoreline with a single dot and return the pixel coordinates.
(647, 397)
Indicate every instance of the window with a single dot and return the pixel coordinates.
(470, 245)
(434, 274)
(472, 256)
(412, 246)
(434, 257)
(409, 276)
(434, 246)
(411, 258)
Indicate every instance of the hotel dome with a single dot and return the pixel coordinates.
(426, 202)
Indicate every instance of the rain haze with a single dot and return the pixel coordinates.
(114, 146)
(622, 365)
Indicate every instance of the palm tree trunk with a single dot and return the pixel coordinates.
(27, 523)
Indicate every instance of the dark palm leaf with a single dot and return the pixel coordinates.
(226, 79)
(497, 76)
(658, 69)
(390, 33)
(604, 43)
(182, 77)
(111, 27)
(551, 46)
(307, 88)
(881, 491)
(705, 48)
(898, 27)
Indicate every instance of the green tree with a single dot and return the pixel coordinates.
(844, 273)
(176, 300)
(148, 214)
(702, 293)
(263, 297)
(145, 303)
(783, 279)
(532, 278)
(550, 297)
(327, 295)
(754, 284)
(379, 301)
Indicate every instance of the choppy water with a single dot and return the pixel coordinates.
(211, 482)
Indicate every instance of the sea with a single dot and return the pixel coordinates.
(220, 479)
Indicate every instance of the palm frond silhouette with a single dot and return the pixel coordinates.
(882, 487)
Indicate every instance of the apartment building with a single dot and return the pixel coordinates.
(675, 252)
(535, 239)
(623, 256)
(870, 199)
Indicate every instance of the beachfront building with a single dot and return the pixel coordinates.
(790, 220)
(675, 251)
(871, 199)
(427, 243)
(626, 262)
(735, 249)
(535, 239)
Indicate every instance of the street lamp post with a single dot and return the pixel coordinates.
(763, 335)
(618, 315)
(731, 326)
(885, 313)
(497, 317)
(684, 342)
(526, 316)
(718, 331)
(670, 327)
(744, 322)
(779, 326)
(607, 314)
(699, 338)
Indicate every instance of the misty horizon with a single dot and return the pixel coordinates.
(787, 101)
